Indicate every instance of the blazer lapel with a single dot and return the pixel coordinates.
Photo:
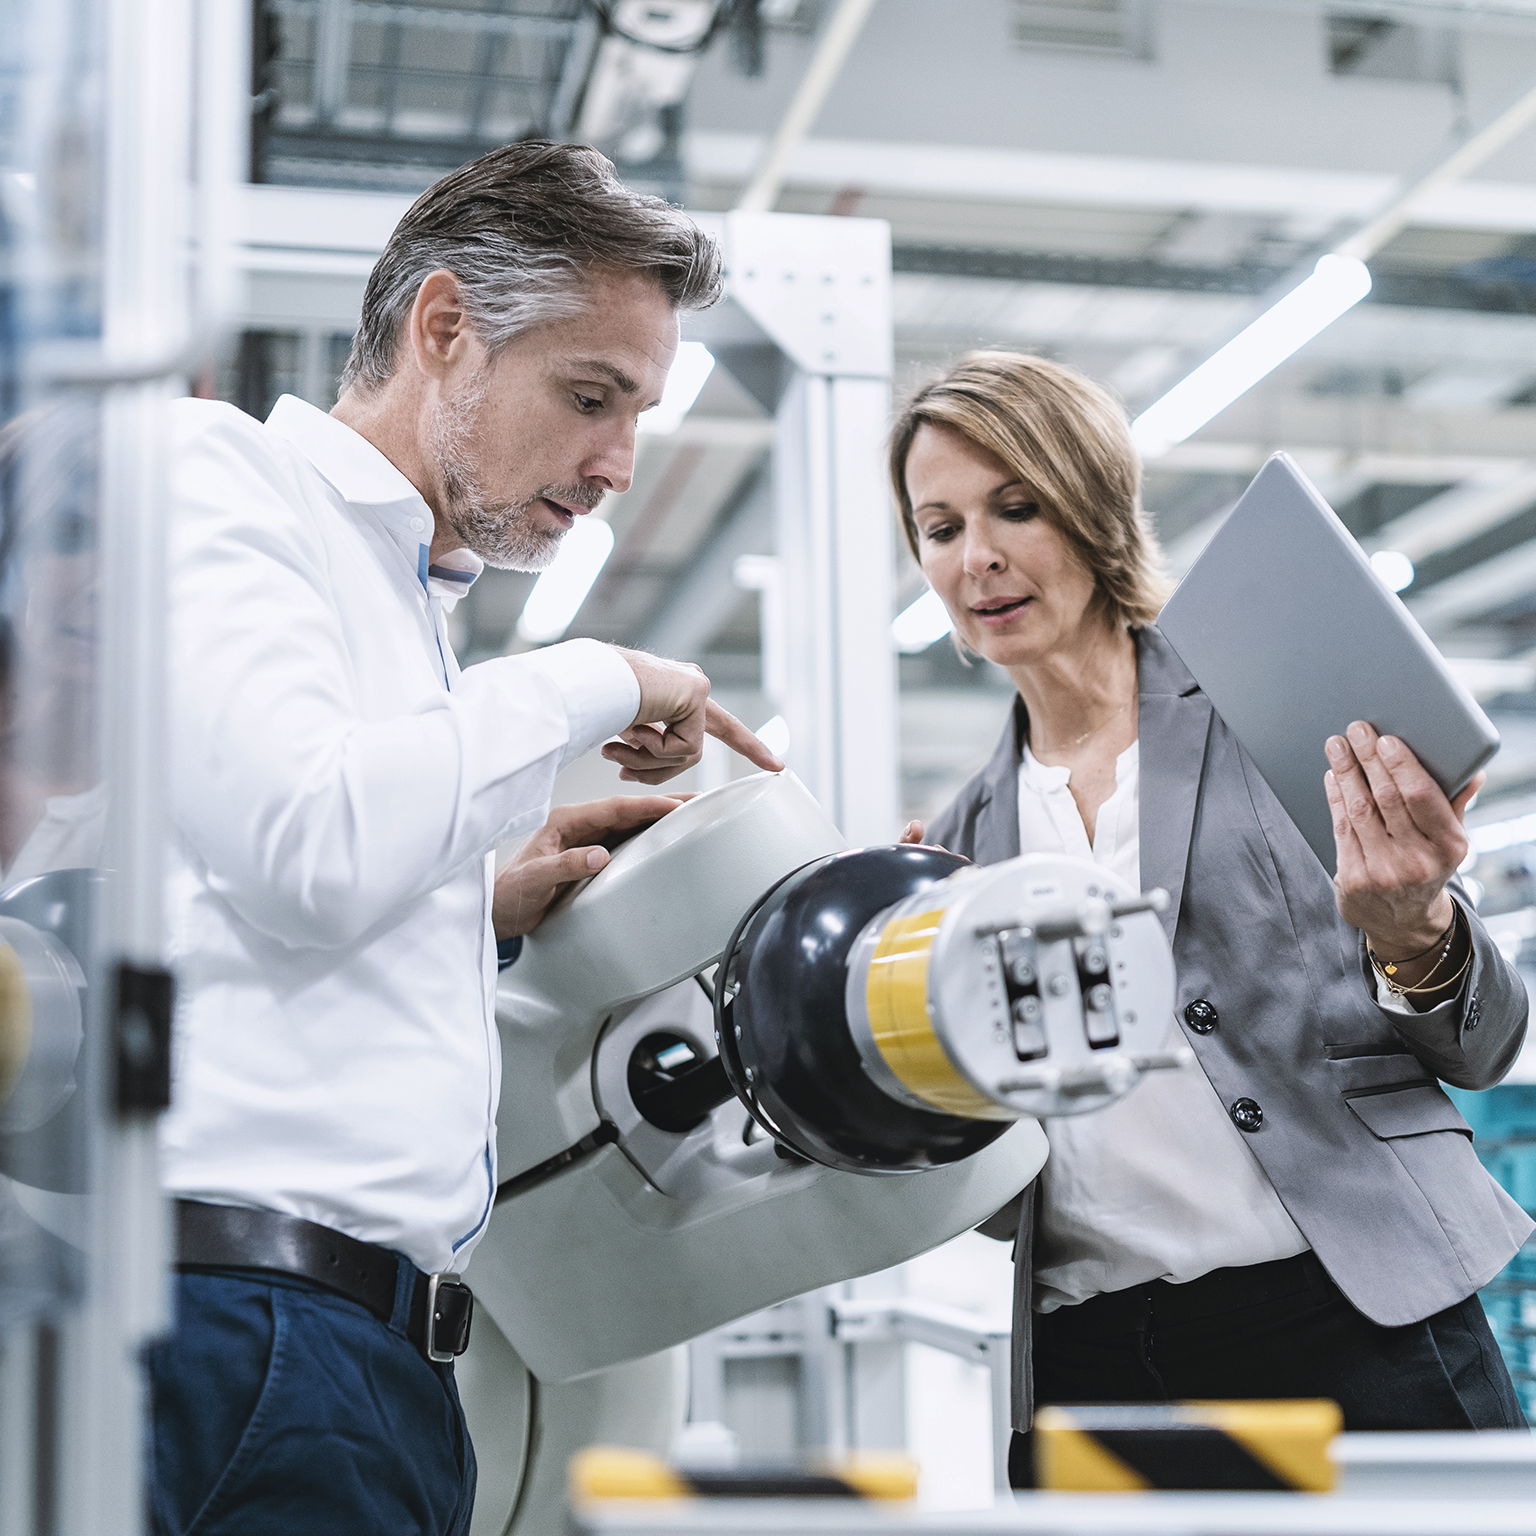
(997, 813)
(1173, 723)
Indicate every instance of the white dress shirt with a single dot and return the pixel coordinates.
(1160, 1185)
(337, 786)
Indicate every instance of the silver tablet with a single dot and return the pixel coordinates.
(1292, 636)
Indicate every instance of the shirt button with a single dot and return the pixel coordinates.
(1247, 1116)
(1201, 1016)
(417, 524)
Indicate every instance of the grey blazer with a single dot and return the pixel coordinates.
(1368, 1154)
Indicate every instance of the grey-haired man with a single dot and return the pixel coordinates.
(339, 787)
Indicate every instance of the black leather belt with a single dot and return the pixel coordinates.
(232, 1237)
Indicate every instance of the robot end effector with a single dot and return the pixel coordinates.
(891, 1009)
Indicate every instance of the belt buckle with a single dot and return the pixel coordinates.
(450, 1311)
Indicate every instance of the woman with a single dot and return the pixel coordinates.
(1305, 1216)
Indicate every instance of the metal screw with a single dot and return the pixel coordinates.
(1059, 986)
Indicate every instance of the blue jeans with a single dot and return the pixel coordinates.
(280, 1409)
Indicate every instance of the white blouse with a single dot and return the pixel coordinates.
(1161, 1185)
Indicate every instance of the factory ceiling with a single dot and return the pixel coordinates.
(1118, 183)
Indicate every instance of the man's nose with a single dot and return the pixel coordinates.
(612, 466)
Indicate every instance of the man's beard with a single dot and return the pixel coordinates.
(506, 535)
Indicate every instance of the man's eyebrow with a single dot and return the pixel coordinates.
(608, 371)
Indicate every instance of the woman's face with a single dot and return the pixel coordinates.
(1015, 589)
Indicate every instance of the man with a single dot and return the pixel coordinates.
(339, 787)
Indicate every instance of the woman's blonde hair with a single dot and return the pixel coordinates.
(1068, 439)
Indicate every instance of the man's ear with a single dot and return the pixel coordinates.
(438, 330)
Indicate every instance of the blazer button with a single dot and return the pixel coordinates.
(1247, 1116)
(1201, 1016)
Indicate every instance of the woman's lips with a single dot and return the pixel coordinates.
(1002, 614)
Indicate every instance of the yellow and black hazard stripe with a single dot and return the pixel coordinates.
(616, 1472)
(1269, 1445)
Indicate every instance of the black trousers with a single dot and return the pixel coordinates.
(1281, 1329)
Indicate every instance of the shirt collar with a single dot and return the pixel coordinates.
(1046, 777)
(363, 476)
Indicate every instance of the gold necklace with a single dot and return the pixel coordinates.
(1107, 720)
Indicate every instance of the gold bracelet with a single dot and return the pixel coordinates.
(1439, 986)
(1428, 984)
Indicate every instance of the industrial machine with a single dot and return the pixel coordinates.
(743, 1062)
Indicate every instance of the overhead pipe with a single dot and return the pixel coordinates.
(832, 50)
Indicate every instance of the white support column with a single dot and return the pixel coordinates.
(820, 290)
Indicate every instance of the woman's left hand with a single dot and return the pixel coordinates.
(1399, 840)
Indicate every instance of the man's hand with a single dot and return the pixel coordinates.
(1399, 841)
(674, 716)
(911, 833)
(566, 848)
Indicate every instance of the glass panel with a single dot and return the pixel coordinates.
(53, 801)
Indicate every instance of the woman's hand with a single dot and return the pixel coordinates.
(568, 847)
(911, 833)
(1399, 841)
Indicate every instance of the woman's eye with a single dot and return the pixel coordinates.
(1021, 512)
(940, 533)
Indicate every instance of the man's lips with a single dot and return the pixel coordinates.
(995, 612)
(564, 515)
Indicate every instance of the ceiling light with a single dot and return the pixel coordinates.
(1337, 284)
(1488, 677)
(1493, 836)
(774, 734)
(1394, 568)
(692, 365)
(919, 624)
(563, 587)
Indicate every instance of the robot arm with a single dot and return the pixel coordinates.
(669, 1164)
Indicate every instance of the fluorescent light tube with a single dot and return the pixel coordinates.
(1337, 284)
(919, 624)
(563, 587)
(693, 364)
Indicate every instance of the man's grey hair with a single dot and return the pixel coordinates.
(522, 229)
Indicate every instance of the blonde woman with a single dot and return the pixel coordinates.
(1302, 1214)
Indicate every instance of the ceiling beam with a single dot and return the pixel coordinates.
(951, 171)
(1415, 290)
(1478, 590)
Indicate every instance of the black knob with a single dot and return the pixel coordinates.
(1201, 1016)
(1247, 1115)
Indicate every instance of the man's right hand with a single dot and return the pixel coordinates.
(675, 714)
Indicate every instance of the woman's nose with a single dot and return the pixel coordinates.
(981, 556)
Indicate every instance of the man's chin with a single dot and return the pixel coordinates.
(503, 538)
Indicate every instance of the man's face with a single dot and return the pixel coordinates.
(528, 441)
